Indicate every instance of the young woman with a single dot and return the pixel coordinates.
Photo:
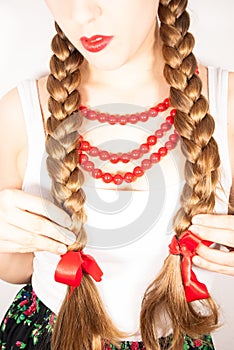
(141, 74)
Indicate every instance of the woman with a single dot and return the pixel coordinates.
(112, 53)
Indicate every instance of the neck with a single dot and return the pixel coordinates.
(139, 81)
(145, 66)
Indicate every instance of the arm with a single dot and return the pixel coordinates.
(12, 141)
(27, 224)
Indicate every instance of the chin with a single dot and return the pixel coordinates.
(108, 65)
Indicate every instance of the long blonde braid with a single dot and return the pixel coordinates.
(82, 322)
(195, 126)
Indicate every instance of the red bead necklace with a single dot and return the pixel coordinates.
(119, 177)
(134, 154)
(127, 118)
(144, 148)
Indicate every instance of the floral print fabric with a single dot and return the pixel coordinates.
(28, 324)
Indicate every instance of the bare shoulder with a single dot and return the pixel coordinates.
(11, 116)
(13, 138)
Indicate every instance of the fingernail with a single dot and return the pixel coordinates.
(67, 221)
(70, 237)
(62, 249)
(196, 260)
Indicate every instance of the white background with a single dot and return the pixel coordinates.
(26, 29)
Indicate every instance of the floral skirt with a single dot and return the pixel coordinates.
(28, 324)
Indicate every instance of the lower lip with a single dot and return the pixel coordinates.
(95, 45)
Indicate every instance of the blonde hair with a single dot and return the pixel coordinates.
(82, 322)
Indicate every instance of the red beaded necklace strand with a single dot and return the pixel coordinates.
(119, 177)
(127, 118)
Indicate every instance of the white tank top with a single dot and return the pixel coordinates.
(133, 227)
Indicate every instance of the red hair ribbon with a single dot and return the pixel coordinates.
(71, 266)
(186, 246)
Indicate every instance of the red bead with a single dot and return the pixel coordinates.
(165, 126)
(84, 111)
(133, 119)
(167, 102)
(135, 154)
(152, 140)
(112, 119)
(114, 158)
(155, 157)
(82, 108)
(102, 118)
(161, 107)
(88, 166)
(143, 117)
(159, 133)
(104, 155)
(144, 148)
(125, 158)
(162, 151)
(146, 164)
(173, 112)
(107, 177)
(97, 173)
(122, 119)
(170, 119)
(91, 115)
(153, 112)
(129, 177)
(85, 146)
(170, 145)
(138, 172)
(118, 179)
(83, 158)
(173, 137)
(80, 138)
(94, 152)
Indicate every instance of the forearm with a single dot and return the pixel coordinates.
(16, 268)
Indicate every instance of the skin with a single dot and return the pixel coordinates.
(128, 66)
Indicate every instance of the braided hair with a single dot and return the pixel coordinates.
(195, 127)
(82, 322)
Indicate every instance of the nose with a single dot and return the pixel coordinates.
(85, 11)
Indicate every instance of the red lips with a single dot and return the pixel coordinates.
(96, 43)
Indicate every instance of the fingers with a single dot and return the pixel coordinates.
(222, 236)
(214, 220)
(39, 225)
(34, 204)
(21, 241)
(214, 260)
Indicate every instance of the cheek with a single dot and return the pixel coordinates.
(59, 9)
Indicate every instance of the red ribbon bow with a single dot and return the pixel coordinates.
(186, 246)
(71, 266)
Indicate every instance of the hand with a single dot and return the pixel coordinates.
(29, 223)
(217, 229)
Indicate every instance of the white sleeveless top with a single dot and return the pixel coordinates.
(128, 231)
